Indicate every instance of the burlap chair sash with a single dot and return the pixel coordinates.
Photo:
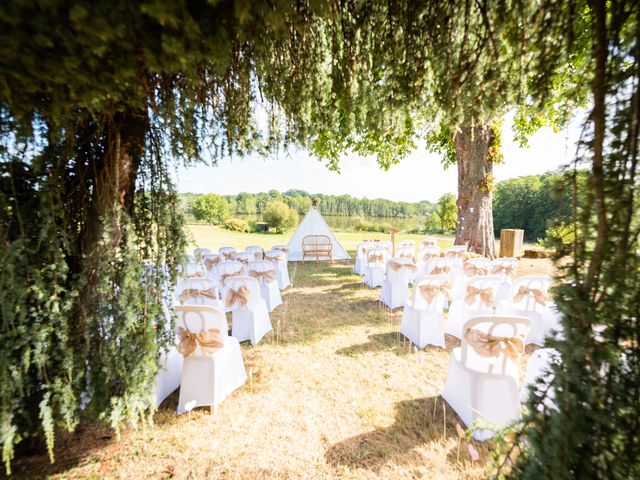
(539, 295)
(209, 341)
(282, 249)
(376, 258)
(243, 260)
(428, 256)
(487, 345)
(267, 276)
(440, 270)
(276, 258)
(188, 293)
(229, 255)
(456, 254)
(429, 243)
(241, 295)
(430, 292)
(485, 294)
(406, 255)
(395, 266)
(212, 262)
(224, 276)
(471, 270)
(508, 270)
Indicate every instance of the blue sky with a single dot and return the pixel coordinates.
(419, 177)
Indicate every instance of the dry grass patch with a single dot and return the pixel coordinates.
(335, 393)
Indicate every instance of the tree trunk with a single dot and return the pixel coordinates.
(113, 179)
(475, 179)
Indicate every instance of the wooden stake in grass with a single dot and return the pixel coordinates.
(444, 421)
(435, 404)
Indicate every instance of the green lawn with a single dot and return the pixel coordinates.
(210, 236)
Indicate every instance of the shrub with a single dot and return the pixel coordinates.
(211, 208)
(280, 216)
(364, 226)
(236, 225)
(558, 236)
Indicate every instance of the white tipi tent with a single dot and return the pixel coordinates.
(314, 224)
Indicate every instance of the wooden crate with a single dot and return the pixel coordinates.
(511, 243)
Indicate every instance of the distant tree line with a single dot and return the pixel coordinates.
(533, 203)
(339, 205)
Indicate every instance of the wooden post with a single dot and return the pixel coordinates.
(393, 241)
(511, 243)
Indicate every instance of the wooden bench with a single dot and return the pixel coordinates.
(317, 246)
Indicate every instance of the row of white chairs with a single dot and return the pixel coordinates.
(207, 364)
(483, 379)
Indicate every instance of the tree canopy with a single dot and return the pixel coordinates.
(98, 98)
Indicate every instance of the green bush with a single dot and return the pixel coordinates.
(211, 208)
(280, 216)
(364, 226)
(558, 236)
(236, 225)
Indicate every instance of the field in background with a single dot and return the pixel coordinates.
(209, 236)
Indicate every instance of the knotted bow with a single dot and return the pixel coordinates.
(539, 295)
(229, 255)
(456, 253)
(395, 266)
(243, 260)
(429, 256)
(267, 276)
(429, 292)
(487, 345)
(373, 258)
(241, 296)
(472, 270)
(209, 341)
(406, 255)
(224, 276)
(429, 242)
(508, 270)
(440, 270)
(282, 249)
(486, 295)
(212, 262)
(276, 258)
(188, 293)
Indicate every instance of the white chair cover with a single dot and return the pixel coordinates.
(539, 376)
(282, 248)
(279, 259)
(202, 285)
(228, 252)
(257, 251)
(250, 322)
(429, 242)
(486, 388)
(245, 258)
(198, 253)
(507, 268)
(407, 243)
(361, 257)
(460, 281)
(375, 270)
(424, 255)
(406, 251)
(460, 311)
(395, 286)
(542, 316)
(422, 321)
(269, 291)
(169, 374)
(210, 263)
(208, 379)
